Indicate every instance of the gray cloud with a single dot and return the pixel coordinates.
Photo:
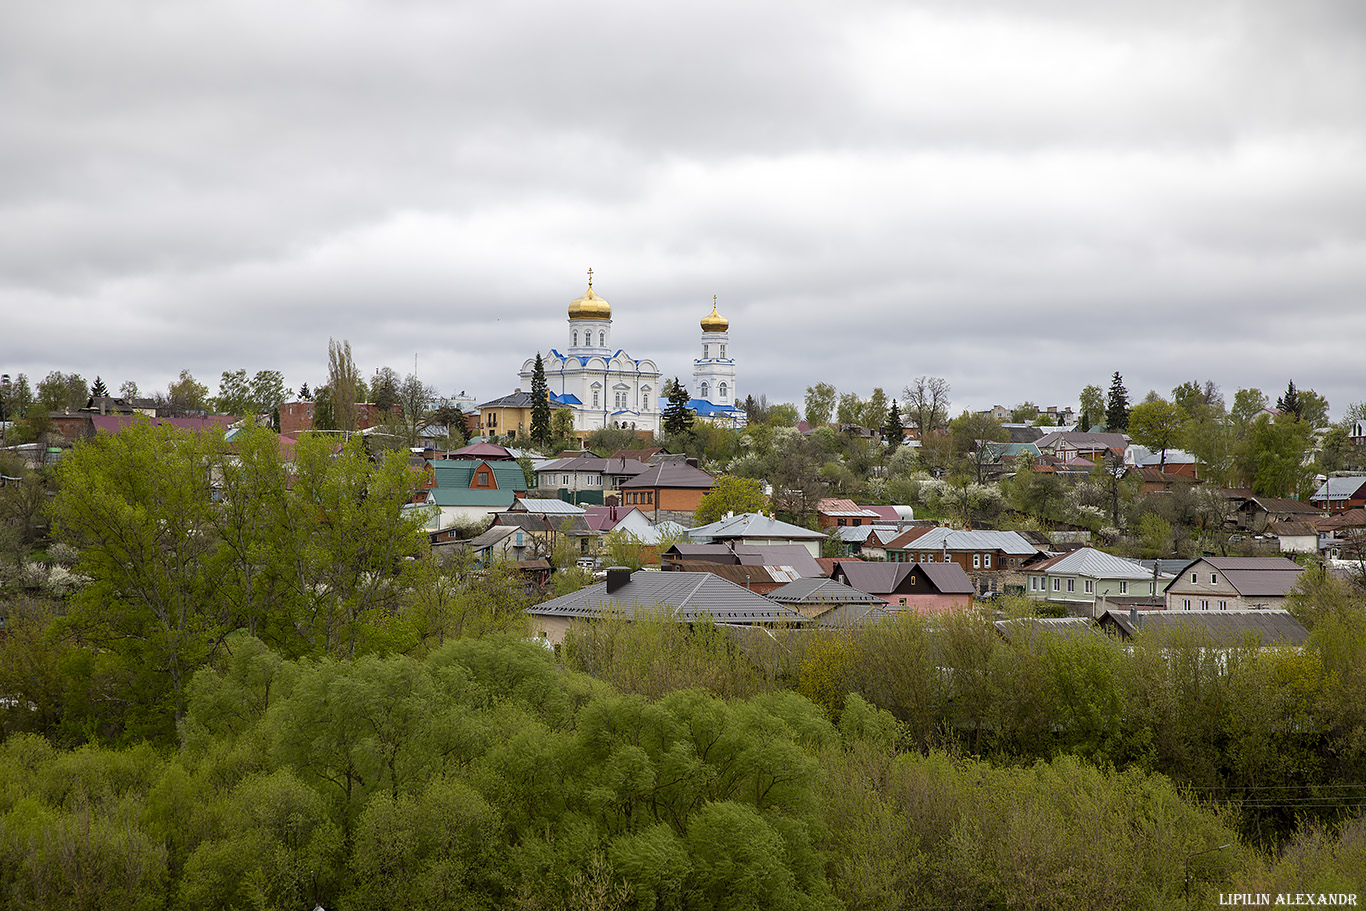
(1021, 202)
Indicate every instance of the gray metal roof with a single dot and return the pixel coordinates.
(691, 597)
(1087, 561)
(951, 539)
(1252, 577)
(793, 555)
(1339, 488)
(821, 591)
(1033, 628)
(751, 525)
(1226, 627)
(546, 506)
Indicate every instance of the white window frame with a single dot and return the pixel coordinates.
(1090, 587)
(976, 561)
(1071, 585)
(1057, 584)
(1124, 588)
(986, 561)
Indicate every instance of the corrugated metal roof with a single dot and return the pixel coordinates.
(1227, 627)
(952, 539)
(546, 506)
(689, 596)
(821, 591)
(752, 525)
(1087, 561)
(1339, 488)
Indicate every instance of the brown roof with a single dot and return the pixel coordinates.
(671, 474)
(910, 535)
(1352, 518)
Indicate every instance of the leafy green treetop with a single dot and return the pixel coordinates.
(731, 494)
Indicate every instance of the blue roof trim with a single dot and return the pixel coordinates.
(568, 398)
(706, 409)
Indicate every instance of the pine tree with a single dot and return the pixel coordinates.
(99, 391)
(540, 404)
(892, 427)
(1290, 402)
(304, 394)
(1117, 405)
(677, 416)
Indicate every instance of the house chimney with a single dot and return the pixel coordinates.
(617, 576)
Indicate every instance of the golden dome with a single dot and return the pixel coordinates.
(589, 306)
(714, 322)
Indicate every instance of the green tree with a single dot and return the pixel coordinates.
(1289, 403)
(730, 494)
(1272, 455)
(1247, 404)
(1313, 408)
(128, 390)
(820, 404)
(1092, 405)
(1024, 413)
(234, 394)
(892, 430)
(1117, 405)
(98, 390)
(61, 392)
(677, 416)
(1158, 425)
(139, 506)
(970, 431)
(383, 389)
(15, 397)
(344, 385)
(874, 409)
(540, 405)
(186, 396)
(850, 409)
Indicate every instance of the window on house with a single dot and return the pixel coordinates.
(723, 351)
(705, 355)
(1186, 603)
(976, 561)
(1204, 604)
(602, 339)
(1057, 585)
(595, 398)
(1090, 587)
(1124, 588)
(576, 338)
(1195, 577)
(1150, 588)
(564, 482)
(722, 391)
(1223, 605)
(705, 390)
(1071, 585)
(1213, 579)
(986, 561)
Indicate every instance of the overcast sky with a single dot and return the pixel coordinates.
(1020, 197)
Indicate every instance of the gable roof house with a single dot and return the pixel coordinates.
(925, 588)
(684, 597)
(667, 490)
(1232, 583)
(1067, 445)
(1084, 578)
(510, 416)
(756, 528)
(831, 604)
(587, 478)
(469, 490)
(1337, 495)
(1227, 628)
(838, 512)
(992, 559)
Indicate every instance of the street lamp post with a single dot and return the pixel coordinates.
(1189, 858)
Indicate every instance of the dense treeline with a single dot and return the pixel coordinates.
(485, 776)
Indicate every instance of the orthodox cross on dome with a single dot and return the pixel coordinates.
(590, 278)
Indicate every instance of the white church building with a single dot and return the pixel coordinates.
(606, 387)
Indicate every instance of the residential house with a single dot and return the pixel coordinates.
(1229, 628)
(1067, 445)
(1232, 583)
(755, 528)
(839, 512)
(585, 478)
(472, 490)
(867, 541)
(1337, 495)
(510, 416)
(682, 597)
(925, 588)
(833, 605)
(994, 560)
(1343, 535)
(1256, 513)
(1170, 461)
(667, 490)
(1300, 537)
(1086, 577)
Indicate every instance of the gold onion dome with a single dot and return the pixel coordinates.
(714, 322)
(589, 306)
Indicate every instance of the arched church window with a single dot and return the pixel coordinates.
(595, 398)
(576, 338)
(723, 351)
(602, 339)
(705, 349)
(704, 390)
(722, 390)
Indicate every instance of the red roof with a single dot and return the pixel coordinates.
(481, 450)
